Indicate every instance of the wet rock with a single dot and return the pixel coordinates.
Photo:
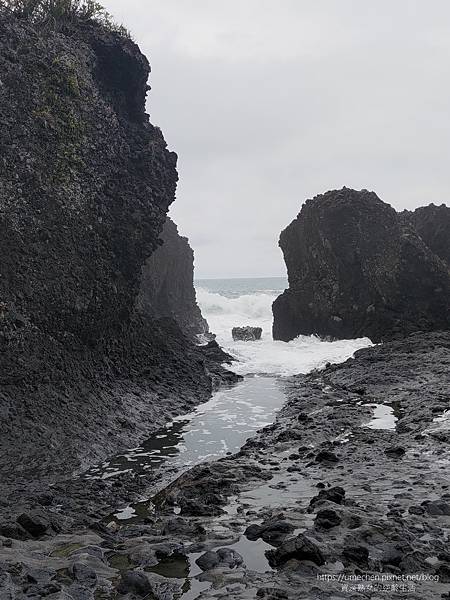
(437, 507)
(84, 575)
(325, 456)
(392, 555)
(167, 283)
(135, 582)
(443, 573)
(327, 519)
(224, 557)
(300, 548)
(13, 531)
(416, 510)
(272, 533)
(183, 527)
(35, 523)
(149, 585)
(272, 594)
(334, 494)
(197, 508)
(246, 334)
(414, 562)
(356, 554)
(395, 451)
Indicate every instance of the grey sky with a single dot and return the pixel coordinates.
(270, 102)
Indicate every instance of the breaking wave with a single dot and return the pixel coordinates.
(267, 356)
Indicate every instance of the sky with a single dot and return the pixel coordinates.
(271, 102)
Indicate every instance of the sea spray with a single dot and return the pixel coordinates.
(237, 304)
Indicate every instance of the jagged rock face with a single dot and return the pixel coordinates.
(357, 268)
(246, 334)
(86, 180)
(433, 225)
(85, 184)
(167, 285)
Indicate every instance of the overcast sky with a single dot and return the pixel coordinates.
(270, 102)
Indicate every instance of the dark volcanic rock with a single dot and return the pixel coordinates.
(85, 184)
(334, 494)
(357, 268)
(246, 334)
(167, 285)
(432, 223)
(272, 532)
(327, 519)
(223, 557)
(35, 523)
(301, 548)
(356, 554)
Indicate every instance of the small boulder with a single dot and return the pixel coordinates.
(223, 557)
(84, 575)
(35, 523)
(182, 527)
(327, 519)
(272, 533)
(246, 334)
(149, 585)
(135, 582)
(271, 594)
(300, 548)
(334, 494)
(395, 451)
(327, 457)
(356, 554)
(437, 507)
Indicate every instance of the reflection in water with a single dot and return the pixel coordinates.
(214, 429)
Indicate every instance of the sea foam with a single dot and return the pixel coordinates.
(267, 356)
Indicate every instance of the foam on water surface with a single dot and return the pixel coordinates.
(224, 310)
(383, 417)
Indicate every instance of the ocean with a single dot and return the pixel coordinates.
(228, 303)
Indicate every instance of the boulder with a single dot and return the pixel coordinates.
(223, 557)
(272, 532)
(35, 523)
(300, 548)
(357, 268)
(334, 494)
(327, 519)
(356, 554)
(246, 334)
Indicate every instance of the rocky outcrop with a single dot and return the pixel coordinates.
(432, 223)
(85, 184)
(246, 334)
(357, 268)
(167, 283)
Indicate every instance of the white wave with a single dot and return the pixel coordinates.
(268, 356)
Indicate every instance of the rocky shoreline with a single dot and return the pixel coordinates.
(315, 501)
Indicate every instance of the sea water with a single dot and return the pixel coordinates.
(236, 413)
(228, 303)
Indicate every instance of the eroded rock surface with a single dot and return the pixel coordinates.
(357, 268)
(272, 521)
(167, 284)
(85, 184)
(246, 334)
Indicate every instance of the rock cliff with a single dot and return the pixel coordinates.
(85, 184)
(167, 284)
(357, 268)
(432, 223)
